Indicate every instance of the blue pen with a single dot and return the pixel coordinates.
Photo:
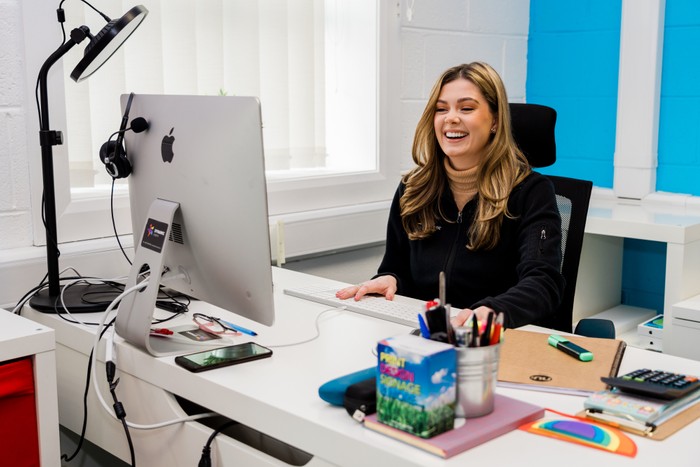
(424, 331)
(239, 328)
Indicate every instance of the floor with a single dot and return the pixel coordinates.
(89, 455)
(350, 266)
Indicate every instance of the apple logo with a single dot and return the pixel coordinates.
(166, 147)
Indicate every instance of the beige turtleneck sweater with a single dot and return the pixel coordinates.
(462, 183)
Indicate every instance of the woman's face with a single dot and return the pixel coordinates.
(463, 123)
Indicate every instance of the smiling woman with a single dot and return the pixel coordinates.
(473, 209)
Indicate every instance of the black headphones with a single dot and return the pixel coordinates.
(113, 153)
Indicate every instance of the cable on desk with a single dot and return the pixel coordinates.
(318, 331)
(43, 283)
(177, 303)
(106, 407)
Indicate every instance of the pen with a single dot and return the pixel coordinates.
(570, 348)
(442, 288)
(424, 331)
(238, 328)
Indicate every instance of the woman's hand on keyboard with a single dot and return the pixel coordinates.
(383, 285)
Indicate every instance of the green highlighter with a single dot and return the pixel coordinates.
(570, 348)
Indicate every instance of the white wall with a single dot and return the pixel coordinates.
(438, 34)
(435, 34)
(15, 214)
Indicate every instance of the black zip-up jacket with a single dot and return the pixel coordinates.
(520, 276)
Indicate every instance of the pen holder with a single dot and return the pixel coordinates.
(477, 373)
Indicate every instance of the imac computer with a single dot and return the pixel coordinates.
(199, 211)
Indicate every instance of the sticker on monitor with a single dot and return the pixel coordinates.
(154, 235)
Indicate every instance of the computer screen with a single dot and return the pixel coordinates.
(199, 209)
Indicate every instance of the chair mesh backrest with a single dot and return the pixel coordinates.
(573, 196)
(564, 207)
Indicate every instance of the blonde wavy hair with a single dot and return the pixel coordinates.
(502, 167)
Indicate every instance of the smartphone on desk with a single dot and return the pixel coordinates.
(224, 356)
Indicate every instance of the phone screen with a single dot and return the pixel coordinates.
(224, 356)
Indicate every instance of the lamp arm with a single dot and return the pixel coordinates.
(48, 139)
(76, 37)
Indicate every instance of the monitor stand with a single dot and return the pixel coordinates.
(135, 314)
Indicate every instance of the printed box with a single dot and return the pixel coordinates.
(652, 328)
(416, 386)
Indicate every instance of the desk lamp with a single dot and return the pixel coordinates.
(97, 52)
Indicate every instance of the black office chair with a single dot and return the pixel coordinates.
(595, 327)
(533, 130)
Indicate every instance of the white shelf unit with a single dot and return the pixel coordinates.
(20, 337)
(599, 285)
(685, 319)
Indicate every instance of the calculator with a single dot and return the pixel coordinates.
(655, 383)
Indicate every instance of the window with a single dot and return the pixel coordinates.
(314, 64)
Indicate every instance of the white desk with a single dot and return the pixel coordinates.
(278, 396)
(600, 274)
(20, 337)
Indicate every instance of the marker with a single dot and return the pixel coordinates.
(475, 331)
(239, 328)
(570, 348)
(436, 320)
(497, 329)
(486, 335)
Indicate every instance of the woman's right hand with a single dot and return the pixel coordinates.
(482, 314)
(383, 285)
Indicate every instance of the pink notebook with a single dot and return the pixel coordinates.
(508, 414)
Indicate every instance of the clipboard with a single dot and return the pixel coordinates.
(658, 433)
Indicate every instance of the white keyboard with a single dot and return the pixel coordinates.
(401, 310)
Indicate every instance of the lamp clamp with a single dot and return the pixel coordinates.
(50, 137)
(78, 34)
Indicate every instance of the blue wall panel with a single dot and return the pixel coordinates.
(679, 118)
(643, 271)
(573, 61)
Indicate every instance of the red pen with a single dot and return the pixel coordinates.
(162, 331)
